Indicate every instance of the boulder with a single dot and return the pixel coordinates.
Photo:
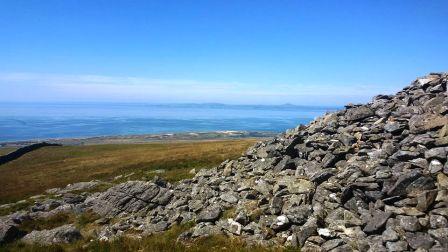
(209, 214)
(426, 122)
(8, 232)
(358, 113)
(62, 234)
(128, 197)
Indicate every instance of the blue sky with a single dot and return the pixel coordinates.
(237, 52)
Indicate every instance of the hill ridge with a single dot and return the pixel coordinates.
(370, 177)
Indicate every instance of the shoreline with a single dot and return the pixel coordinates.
(145, 138)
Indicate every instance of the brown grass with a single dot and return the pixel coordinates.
(51, 167)
(6, 150)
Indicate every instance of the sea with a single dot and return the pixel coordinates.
(40, 121)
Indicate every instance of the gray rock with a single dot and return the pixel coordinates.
(306, 230)
(399, 188)
(426, 199)
(328, 160)
(435, 166)
(419, 240)
(62, 234)
(439, 153)
(205, 230)
(209, 214)
(441, 235)
(331, 244)
(409, 223)
(242, 218)
(377, 221)
(285, 164)
(393, 127)
(128, 197)
(298, 214)
(281, 223)
(156, 227)
(276, 205)
(402, 155)
(437, 221)
(426, 122)
(420, 185)
(397, 246)
(231, 198)
(389, 235)
(358, 113)
(80, 186)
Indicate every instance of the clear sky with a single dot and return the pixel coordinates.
(237, 52)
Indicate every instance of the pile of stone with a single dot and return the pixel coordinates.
(370, 177)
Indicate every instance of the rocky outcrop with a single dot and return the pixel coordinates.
(130, 197)
(371, 177)
(62, 234)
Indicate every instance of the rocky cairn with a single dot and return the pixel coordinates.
(370, 177)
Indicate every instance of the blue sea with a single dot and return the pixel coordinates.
(32, 121)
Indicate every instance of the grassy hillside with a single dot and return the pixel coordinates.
(4, 151)
(51, 167)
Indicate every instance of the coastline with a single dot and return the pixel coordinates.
(145, 138)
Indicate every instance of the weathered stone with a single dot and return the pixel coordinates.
(397, 246)
(399, 188)
(419, 240)
(441, 235)
(442, 180)
(437, 221)
(439, 153)
(299, 214)
(209, 214)
(358, 113)
(276, 205)
(281, 223)
(285, 164)
(435, 166)
(325, 232)
(426, 199)
(393, 127)
(295, 185)
(331, 244)
(156, 227)
(409, 223)
(306, 230)
(62, 234)
(390, 235)
(205, 230)
(128, 197)
(419, 185)
(231, 198)
(377, 221)
(328, 160)
(425, 122)
(405, 155)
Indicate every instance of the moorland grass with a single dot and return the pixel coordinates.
(51, 167)
(161, 242)
(4, 151)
